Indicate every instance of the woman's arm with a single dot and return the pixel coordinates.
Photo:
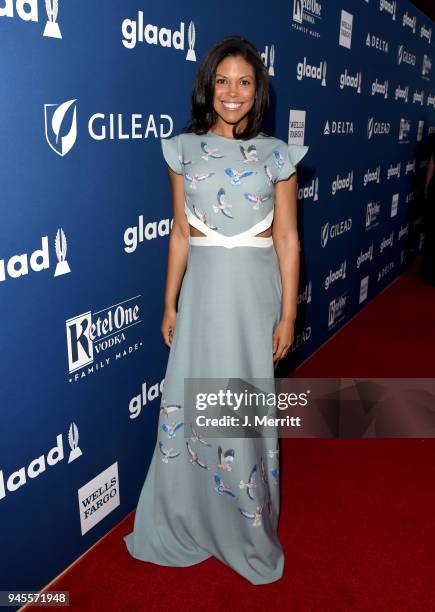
(286, 243)
(177, 255)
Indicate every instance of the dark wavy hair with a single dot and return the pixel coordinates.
(203, 115)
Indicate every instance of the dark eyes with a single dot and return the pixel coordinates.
(244, 81)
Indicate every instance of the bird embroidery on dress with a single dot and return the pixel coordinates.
(226, 461)
(221, 488)
(279, 160)
(203, 217)
(168, 453)
(272, 179)
(236, 175)
(251, 154)
(209, 152)
(196, 178)
(166, 409)
(184, 162)
(257, 199)
(197, 437)
(275, 474)
(256, 515)
(251, 484)
(172, 428)
(194, 457)
(223, 205)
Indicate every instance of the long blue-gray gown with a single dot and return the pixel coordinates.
(219, 497)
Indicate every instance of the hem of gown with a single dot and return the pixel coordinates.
(127, 541)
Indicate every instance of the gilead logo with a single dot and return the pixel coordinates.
(37, 466)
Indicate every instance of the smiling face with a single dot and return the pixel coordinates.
(234, 92)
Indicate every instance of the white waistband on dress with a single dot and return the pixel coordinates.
(214, 238)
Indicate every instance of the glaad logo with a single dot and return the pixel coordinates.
(268, 56)
(88, 332)
(365, 256)
(372, 176)
(388, 7)
(405, 57)
(401, 93)
(347, 80)
(27, 10)
(304, 296)
(135, 31)
(418, 97)
(310, 190)
(18, 265)
(138, 401)
(426, 33)
(332, 231)
(336, 274)
(386, 242)
(313, 72)
(54, 115)
(377, 127)
(150, 231)
(394, 171)
(37, 466)
(380, 88)
(338, 184)
(409, 22)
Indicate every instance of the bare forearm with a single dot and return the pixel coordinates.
(177, 261)
(287, 250)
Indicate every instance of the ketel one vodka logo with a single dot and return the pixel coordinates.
(27, 10)
(99, 332)
(36, 467)
(18, 265)
(60, 128)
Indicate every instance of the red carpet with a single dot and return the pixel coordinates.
(356, 521)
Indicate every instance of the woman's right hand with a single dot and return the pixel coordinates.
(168, 325)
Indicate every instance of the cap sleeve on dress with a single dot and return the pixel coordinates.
(292, 155)
(171, 153)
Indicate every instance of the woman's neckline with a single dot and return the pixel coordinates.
(210, 133)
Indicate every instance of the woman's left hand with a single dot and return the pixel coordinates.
(282, 339)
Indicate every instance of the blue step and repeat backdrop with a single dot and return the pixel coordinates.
(88, 89)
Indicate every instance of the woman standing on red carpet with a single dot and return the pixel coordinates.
(239, 275)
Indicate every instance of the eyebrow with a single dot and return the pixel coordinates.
(242, 77)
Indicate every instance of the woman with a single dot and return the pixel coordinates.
(236, 311)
